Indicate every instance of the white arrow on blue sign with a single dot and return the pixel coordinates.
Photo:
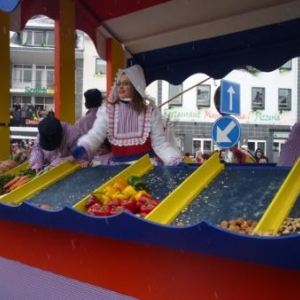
(230, 98)
(226, 132)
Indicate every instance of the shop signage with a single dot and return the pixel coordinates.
(39, 90)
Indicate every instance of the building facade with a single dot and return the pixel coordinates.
(269, 107)
(32, 74)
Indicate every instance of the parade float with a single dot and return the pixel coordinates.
(218, 231)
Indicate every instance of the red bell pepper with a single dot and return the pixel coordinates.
(130, 204)
(116, 210)
(92, 199)
(99, 209)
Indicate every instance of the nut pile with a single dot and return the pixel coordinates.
(290, 225)
(239, 225)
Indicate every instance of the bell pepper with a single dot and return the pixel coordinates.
(130, 204)
(99, 209)
(148, 199)
(140, 193)
(147, 203)
(132, 179)
(140, 184)
(129, 191)
(146, 208)
(92, 199)
(116, 210)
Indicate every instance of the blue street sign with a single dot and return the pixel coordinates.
(9, 5)
(230, 98)
(226, 132)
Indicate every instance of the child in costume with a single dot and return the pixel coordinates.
(132, 123)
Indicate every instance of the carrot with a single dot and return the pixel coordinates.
(22, 181)
(10, 183)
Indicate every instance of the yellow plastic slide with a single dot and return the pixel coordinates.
(282, 203)
(39, 182)
(183, 195)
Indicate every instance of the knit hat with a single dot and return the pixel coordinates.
(93, 98)
(50, 133)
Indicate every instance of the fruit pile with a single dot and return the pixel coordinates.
(130, 195)
(239, 225)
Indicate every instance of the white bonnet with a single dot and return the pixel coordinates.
(136, 76)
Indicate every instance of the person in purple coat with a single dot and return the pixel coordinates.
(94, 100)
(291, 149)
(53, 144)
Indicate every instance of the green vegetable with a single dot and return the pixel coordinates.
(140, 184)
(137, 182)
(28, 172)
(132, 179)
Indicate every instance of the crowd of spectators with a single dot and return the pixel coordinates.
(26, 114)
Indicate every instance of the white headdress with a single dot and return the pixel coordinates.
(137, 78)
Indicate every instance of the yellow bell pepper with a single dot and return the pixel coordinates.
(140, 193)
(129, 191)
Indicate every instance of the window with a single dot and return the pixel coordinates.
(21, 100)
(175, 90)
(100, 66)
(33, 38)
(44, 76)
(50, 76)
(258, 98)
(203, 96)
(202, 145)
(254, 144)
(284, 99)
(21, 73)
(49, 38)
(46, 102)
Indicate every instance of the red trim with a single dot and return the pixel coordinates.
(132, 150)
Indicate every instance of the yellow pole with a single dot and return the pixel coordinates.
(115, 59)
(65, 62)
(4, 85)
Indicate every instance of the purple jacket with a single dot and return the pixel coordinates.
(40, 158)
(85, 123)
(291, 149)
